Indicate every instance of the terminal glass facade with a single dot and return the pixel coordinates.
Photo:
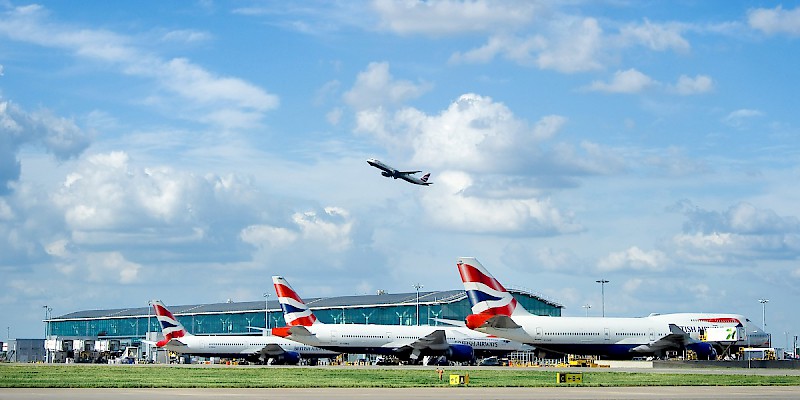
(231, 323)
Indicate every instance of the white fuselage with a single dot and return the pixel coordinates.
(591, 335)
(385, 339)
(233, 346)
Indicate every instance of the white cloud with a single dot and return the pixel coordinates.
(230, 101)
(330, 229)
(658, 37)
(634, 258)
(375, 87)
(18, 128)
(737, 235)
(775, 21)
(687, 85)
(452, 17)
(740, 118)
(629, 81)
(449, 206)
(186, 36)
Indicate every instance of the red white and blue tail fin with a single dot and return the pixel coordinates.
(170, 326)
(295, 311)
(486, 295)
(425, 177)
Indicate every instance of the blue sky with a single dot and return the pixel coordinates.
(187, 151)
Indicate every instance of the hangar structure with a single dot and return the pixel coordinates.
(130, 325)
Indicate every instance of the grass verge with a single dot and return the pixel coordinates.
(105, 376)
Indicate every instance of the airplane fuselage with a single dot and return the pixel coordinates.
(229, 346)
(615, 337)
(389, 339)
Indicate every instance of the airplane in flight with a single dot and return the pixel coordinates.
(496, 312)
(263, 349)
(402, 341)
(407, 176)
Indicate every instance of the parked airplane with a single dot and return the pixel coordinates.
(407, 176)
(264, 349)
(496, 312)
(402, 341)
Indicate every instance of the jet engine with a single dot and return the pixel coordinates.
(705, 351)
(386, 174)
(287, 358)
(460, 353)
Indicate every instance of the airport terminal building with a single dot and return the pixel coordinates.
(129, 326)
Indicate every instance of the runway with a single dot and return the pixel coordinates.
(460, 393)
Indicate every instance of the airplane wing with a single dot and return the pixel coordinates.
(299, 331)
(435, 341)
(676, 339)
(272, 350)
(408, 172)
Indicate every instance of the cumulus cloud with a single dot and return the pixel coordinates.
(452, 17)
(740, 233)
(629, 81)
(658, 37)
(634, 258)
(687, 85)
(451, 207)
(204, 96)
(59, 136)
(571, 45)
(375, 87)
(330, 229)
(775, 20)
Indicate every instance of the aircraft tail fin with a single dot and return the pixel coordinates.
(170, 326)
(295, 311)
(486, 295)
(425, 178)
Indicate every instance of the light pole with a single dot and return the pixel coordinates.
(417, 286)
(46, 323)
(587, 307)
(764, 312)
(266, 309)
(602, 283)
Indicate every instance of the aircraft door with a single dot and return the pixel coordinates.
(334, 337)
(606, 334)
(538, 333)
(652, 335)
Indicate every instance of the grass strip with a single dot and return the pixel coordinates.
(117, 376)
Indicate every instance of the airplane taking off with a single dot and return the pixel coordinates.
(407, 176)
(496, 312)
(264, 349)
(402, 341)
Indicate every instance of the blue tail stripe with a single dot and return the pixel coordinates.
(167, 324)
(476, 296)
(288, 308)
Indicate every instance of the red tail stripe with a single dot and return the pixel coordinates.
(472, 274)
(161, 311)
(304, 321)
(285, 291)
